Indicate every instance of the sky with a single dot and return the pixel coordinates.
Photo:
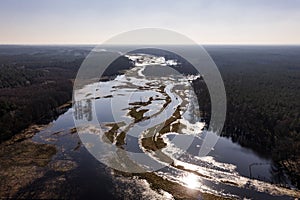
(204, 21)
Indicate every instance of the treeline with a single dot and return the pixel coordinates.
(19, 76)
(31, 96)
(262, 86)
(263, 107)
(34, 81)
(20, 107)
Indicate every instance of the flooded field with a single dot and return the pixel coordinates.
(142, 121)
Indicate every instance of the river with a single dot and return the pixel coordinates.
(143, 102)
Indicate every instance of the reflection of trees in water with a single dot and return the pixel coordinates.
(279, 176)
(83, 110)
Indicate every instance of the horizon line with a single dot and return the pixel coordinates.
(95, 44)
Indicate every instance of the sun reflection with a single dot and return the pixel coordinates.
(191, 180)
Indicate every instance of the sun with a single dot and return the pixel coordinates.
(191, 180)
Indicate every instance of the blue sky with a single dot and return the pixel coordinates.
(205, 21)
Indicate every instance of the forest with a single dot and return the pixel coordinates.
(263, 108)
(262, 85)
(35, 81)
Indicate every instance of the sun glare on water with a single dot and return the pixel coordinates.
(191, 181)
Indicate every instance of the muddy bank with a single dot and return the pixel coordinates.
(21, 164)
(25, 164)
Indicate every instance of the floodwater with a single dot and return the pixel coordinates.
(229, 170)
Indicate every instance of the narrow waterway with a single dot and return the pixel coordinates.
(228, 170)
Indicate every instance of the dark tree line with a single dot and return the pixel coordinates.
(263, 107)
(262, 86)
(35, 81)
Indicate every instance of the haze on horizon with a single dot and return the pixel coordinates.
(204, 21)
